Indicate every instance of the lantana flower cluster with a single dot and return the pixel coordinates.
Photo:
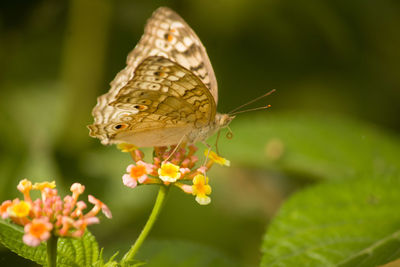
(172, 166)
(51, 215)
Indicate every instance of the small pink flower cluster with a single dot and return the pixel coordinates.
(177, 169)
(50, 214)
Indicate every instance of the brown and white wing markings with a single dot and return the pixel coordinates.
(158, 106)
(166, 34)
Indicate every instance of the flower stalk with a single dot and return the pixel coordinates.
(130, 255)
(170, 167)
(52, 251)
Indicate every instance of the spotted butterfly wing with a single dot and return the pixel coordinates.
(161, 104)
(166, 34)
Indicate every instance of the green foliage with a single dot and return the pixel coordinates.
(347, 221)
(313, 145)
(109, 263)
(353, 223)
(323, 56)
(11, 237)
(183, 254)
(350, 220)
(70, 252)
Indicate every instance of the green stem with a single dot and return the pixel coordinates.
(162, 193)
(52, 251)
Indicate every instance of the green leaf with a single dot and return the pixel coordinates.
(182, 253)
(11, 237)
(110, 263)
(70, 252)
(352, 223)
(78, 252)
(312, 145)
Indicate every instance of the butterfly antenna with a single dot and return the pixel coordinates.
(251, 101)
(251, 109)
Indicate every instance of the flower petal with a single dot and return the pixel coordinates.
(129, 181)
(142, 178)
(129, 168)
(169, 172)
(203, 200)
(31, 240)
(217, 159)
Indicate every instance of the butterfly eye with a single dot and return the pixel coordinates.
(140, 107)
(160, 74)
(120, 126)
(168, 37)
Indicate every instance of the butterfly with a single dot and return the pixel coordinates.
(166, 95)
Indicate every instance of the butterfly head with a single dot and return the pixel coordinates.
(223, 120)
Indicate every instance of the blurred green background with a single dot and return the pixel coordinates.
(334, 57)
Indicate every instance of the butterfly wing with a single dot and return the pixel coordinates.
(166, 34)
(157, 107)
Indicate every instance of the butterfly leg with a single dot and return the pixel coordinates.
(208, 153)
(216, 141)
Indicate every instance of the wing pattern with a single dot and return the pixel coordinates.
(161, 94)
(166, 34)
